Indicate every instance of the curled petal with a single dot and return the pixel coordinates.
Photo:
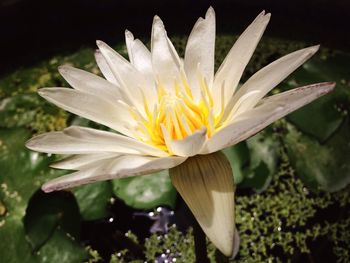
(189, 146)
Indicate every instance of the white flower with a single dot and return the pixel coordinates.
(164, 109)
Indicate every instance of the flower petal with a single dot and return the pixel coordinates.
(82, 140)
(200, 51)
(127, 75)
(123, 166)
(165, 60)
(141, 58)
(266, 79)
(232, 68)
(189, 146)
(79, 161)
(104, 68)
(205, 182)
(268, 111)
(90, 83)
(116, 116)
(139, 54)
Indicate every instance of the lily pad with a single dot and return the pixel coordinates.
(324, 116)
(46, 212)
(263, 149)
(93, 198)
(22, 173)
(321, 167)
(238, 156)
(147, 191)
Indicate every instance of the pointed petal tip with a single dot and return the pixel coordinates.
(156, 19)
(43, 92)
(100, 43)
(327, 86)
(129, 35)
(210, 12)
(29, 144)
(47, 188)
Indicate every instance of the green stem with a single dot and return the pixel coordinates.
(200, 244)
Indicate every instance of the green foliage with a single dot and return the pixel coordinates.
(147, 191)
(93, 198)
(22, 173)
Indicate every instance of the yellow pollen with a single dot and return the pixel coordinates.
(177, 114)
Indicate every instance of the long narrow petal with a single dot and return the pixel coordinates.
(266, 79)
(129, 77)
(141, 58)
(115, 116)
(189, 146)
(231, 70)
(139, 54)
(206, 184)
(79, 161)
(268, 111)
(164, 57)
(113, 168)
(104, 68)
(81, 140)
(90, 83)
(200, 51)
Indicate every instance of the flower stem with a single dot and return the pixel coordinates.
(220, 258)
(200, 244)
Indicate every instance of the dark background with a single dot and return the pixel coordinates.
(31, 30)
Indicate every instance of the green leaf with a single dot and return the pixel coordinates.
(93, 198)
(324, 116)
(238, 156)
(22, 172)
(61, 248)
(321, 167)
(263, 149)
(146, 191)
(46, 212)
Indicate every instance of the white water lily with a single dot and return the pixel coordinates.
(163, 109)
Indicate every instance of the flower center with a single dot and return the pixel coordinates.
(177, 115)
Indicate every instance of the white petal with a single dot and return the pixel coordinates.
(90, 83)
(127, 75)
(139, 54)
(232, 68)
(266, 79)
(141, 58)
(200, 51)
(164, 57)
(79, 161)
(119, 167)
(104, 67)
(268, 111)
(115, 116)
(81, 140)
(189, 146)
(205, 182)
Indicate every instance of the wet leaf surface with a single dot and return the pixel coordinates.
(147, 191)
(322, 167)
